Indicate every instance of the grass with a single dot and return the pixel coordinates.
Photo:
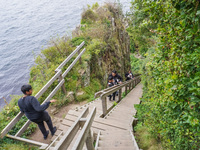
(145, 140)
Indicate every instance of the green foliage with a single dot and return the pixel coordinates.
(115, 103)
(95, 6)
(145, 139)
(83, 97)
(96, 46)
(17, 146)
(171, 101)
(141, 30)
(94, 87)
(88, 16)
(135, 64)
(78, 40)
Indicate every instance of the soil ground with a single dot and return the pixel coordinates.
(56, 116)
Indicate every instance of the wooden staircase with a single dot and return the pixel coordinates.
(115, 128)
(116, 140)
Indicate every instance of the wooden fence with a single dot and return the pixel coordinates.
(84, 136)
(58, 75)
(129, 85)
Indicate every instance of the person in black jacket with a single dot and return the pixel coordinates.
(35, 112)
(129, 75)
(110, 84)
(116, 77)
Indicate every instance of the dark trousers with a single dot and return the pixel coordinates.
(40, 122)
(113, 95)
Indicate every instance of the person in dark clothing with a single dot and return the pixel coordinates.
(110, 84)
(116, 77)
(129, 75)
(35, 112)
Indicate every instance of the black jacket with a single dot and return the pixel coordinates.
(128, 76)
(110, 84)
(117, 78)
(31, 107)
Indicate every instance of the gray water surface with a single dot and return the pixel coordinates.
(27, 26)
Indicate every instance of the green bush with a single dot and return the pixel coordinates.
(171, 101)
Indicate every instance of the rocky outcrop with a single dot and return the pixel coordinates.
(105, 25)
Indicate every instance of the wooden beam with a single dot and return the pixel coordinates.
(64, 143)
(41, 145)
(89, 140)
(73, 63)
(134, 141)
(104, 105)
(97, 140)
(84, 132)
(11, 124)
(61, 133)
(48, 84)
(23, 128)
(70, 56)
(120, 95)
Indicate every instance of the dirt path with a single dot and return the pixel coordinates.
(56, 117)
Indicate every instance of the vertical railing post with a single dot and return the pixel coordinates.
(120, 95)
(63, 86)
(89, 141)
(131, 85)
(134, 82)
(126, 89)
(104, 105)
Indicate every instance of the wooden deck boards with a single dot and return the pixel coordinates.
(115, 129)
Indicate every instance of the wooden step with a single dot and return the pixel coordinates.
(115, 148)
(119, 136)
(116, 143)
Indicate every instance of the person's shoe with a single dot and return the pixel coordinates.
(45, 137)
(54, 131)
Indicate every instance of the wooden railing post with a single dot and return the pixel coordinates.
(89, 141)
(126, 89)
(120, 95)
(104, 105)
(131, 85)
(63, 86)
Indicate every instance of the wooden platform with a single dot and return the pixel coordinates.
(115, 128)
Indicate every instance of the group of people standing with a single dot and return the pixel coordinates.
(114, 78)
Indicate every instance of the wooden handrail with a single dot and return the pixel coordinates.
(70, 134)
(73, 63)
(59, 76)
(116, 88)
(41, 145)
(70, 56)
(131, 83)
(85, 133)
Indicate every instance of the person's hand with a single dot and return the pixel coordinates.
(53, 101)
(120, 82)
